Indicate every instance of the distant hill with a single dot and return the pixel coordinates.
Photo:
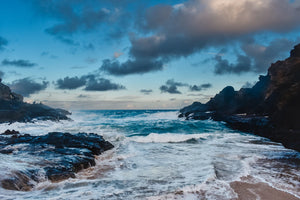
(13, 109)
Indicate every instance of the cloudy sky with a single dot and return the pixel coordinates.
(140, 54)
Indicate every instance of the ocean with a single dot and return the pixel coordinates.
(159, 156)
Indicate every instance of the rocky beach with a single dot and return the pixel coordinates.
(270, 108)
(150, 100)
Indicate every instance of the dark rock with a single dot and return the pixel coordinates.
(296, 51)
(19, 181)
(13, 109)
(58, 156)
(271, 108)
(9, 132)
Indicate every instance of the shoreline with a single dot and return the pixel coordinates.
(260, 190)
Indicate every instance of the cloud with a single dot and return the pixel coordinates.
(18, 63)
(263, 56)
(90, 83)
(70, 82)
(256, 57)
(3, 43)
(223, 66)
(172, 82)
(27, 86)
(181, 30)
(198, 88)
(84, 16)
(102, 84)
(140, 66)
(146, 92)
(171, 87)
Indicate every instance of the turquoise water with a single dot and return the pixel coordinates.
(158, 156)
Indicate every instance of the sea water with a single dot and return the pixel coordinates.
(159, 156)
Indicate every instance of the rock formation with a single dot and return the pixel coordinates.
(56, 156)
(12, 108)
(271, 108)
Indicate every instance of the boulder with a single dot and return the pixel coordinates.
(57, 156)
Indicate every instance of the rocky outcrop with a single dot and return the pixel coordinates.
(12, 109)
(271, 108)
(56, 156)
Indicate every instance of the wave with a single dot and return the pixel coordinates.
(169, 138)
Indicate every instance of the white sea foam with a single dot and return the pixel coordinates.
(168, 158)
(168, 137)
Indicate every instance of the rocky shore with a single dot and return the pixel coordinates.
(55, 156)
(13, 109)
(271, 108)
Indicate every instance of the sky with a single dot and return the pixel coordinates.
(140, 54)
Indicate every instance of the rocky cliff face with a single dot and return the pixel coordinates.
(270, 108)
(12, 108)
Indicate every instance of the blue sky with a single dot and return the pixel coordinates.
(140, 54)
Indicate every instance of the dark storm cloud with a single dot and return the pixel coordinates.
(27, 86)
(3, 43)
(181, 30)
(198, 88)
(140, 66)
(70, 82)
(146, 92)
(18, 63)
(90, 83)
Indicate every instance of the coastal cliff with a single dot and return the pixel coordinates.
(271, 108)
(13, 109)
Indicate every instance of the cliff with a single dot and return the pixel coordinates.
(13, 109)
(271, 108)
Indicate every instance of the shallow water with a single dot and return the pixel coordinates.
(158, 156)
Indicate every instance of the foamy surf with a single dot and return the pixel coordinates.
(169, 138)
(158, 156)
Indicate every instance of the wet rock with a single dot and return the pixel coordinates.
(57, 156)
(9, 132)
(19, 181)
(271, 108)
